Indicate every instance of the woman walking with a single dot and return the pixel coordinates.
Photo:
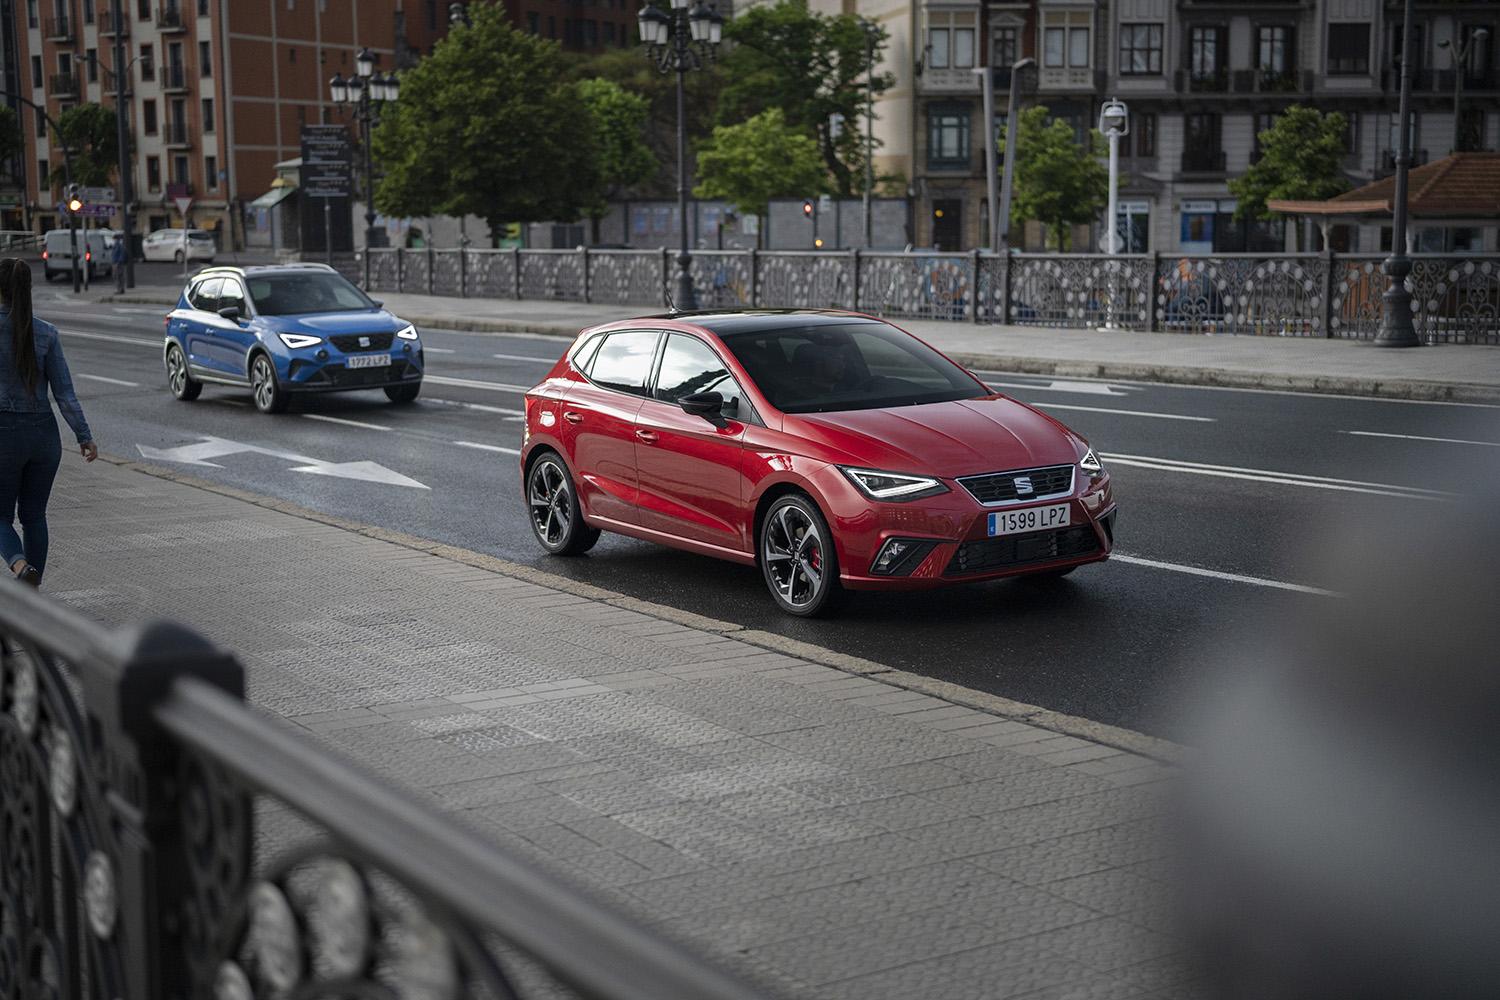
(30, 449)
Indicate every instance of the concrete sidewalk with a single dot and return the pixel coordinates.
(1460, 373)
(833, 833)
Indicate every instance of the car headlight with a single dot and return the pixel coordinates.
(407, 332)
(893, 486)
(299, 339)
(1090, 463)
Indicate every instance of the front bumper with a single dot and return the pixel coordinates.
(957, 528)
(305, 372)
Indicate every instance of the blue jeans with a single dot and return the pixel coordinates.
(30, 451)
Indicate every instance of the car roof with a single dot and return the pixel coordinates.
(248, 270)
(724, 323)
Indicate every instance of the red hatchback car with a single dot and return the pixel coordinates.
(831, 449)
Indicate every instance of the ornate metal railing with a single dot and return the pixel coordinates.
(1456, 299)
(133, 867)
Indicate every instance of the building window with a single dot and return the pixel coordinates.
(88, 11)
(1348, 49)
(1273, 48)
(551, 26)
(153, 173)
(609, 32)
(211, 172)
(208, 114)
(202, 8)
(1133, 224)
(533, 22)
(43, 175)
(180, 173)
(937, 48)
(947, 137)
(1006, 48)
(36, 71)
(1140, 49)
(590, 33)
(1206, 51)
(1263, 122)
(143, 10)
(148, 63)
(963, 48)
(1078, 48)
(206, 58)
(1393, 136)
(148, 117)
(1065, 39)
(291, 55)
(91, 58)
(41, 125)
(1144, 129)
(950, 40)
(1477, 69)
(31, 21)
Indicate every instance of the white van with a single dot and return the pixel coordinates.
(95, 247)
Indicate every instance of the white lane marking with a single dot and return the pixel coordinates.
(200, 452)
(1420, 437)
(1086, 388)
(438, 350)
(114, 338)
(346, 423)
(469, 383)
(488, 447)
(524, 357)
(111, 381)
(135, 311)
(1280, 478)
(1128, 413)
(476, 406)
(1215, 574)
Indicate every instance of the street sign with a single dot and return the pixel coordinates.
(183, 204)
(96, 194)
(99, 210)
(326, 160)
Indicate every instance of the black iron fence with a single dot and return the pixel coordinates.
(1455, 299)
(133, 865)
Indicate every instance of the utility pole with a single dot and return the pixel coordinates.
(1012, 153)
(870, 29)
(122, 139)
(991, 149)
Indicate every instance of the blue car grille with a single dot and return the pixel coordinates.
(350, 342)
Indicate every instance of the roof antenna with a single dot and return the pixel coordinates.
(671, 305)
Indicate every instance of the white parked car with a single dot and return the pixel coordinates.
(94, 247)
(168, 244)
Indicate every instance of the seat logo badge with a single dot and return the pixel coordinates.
(364, 341)
(1023, 484)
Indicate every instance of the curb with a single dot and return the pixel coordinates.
(1034, 715)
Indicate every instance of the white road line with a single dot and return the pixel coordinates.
(1215, 574)
(1280, 478)
(136, 311)
(114, 338)
(1057, 385)
(524, 357)
(111, 381)
(1128, 413)
(1419, 437)
(476, 406)
(470, 383)
(346, 423)
(488, 447)
(438, 350)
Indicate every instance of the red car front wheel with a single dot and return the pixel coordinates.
(797, 557)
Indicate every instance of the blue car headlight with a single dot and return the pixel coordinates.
(408, 332)
(295, 340)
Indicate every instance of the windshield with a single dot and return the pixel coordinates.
(300, 293)
(858, 366)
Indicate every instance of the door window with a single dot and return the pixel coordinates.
(232, 295)
(688, 366)
(624, 361)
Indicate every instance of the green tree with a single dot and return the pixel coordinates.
(89, 133)
(624, 160)
(1301, 159)
(811, 66)
(487, 125)
(1057, 183)
(760, 159)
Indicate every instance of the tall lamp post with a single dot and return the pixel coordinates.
(367, 91)
(122, 139)
(872, 34)
(1396, 329)
(677, 41)
(1114, 122)
(1461, 54)
(1001, 224)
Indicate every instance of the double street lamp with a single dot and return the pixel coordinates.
(367, 91)
(679, 40)
(1461, 53)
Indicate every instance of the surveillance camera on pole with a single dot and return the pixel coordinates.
(1114, 122)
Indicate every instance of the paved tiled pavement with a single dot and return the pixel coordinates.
(832, 834)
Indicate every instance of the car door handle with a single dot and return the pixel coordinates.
(646, 437)
(572, 417)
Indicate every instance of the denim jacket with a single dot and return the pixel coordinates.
(53, 368)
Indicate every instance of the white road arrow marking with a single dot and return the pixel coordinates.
(215, 447)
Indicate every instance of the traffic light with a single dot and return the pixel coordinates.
(73, 201)
(807, 208)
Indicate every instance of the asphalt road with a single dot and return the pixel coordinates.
(1226, 499)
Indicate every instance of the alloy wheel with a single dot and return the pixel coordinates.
(263, 382)
(551, 507)
(792, 549)
(176, 372)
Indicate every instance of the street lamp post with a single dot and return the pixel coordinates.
(1396, 329)
(676, 42)
(1001, 223)
(122, 138)
(367, 91)
(1114, 122)
(68, 189)
(872, 32)
(1461, 53)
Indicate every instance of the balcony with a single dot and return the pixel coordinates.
(108, 27)
(109, 83)
(1203, 161)
(176, 135)
(63, 85)
(1214, 81)
(174, 78)
(58, 29)
(950, 80)
(169, 19)
(1070, 78)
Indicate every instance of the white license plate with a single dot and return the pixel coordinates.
(368, 360)
(1018, 522)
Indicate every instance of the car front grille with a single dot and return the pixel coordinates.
(349, 342)
(1023, 485)
(337, 376)
(989, 554)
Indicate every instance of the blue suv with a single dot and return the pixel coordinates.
(285, 329)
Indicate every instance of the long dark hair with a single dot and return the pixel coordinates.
(15, 288)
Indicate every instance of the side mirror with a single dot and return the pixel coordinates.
(230, 312)
(377, 303)
(704, 404)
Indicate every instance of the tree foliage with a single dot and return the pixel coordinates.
(488, 125)
(1301, 158)
(89, 133)
(760, 159)
(1056, 182)
(811, 66)
(618, 120)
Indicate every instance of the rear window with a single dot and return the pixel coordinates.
(855, 366)
(624, 361)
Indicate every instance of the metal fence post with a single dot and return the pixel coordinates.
(586, 297)
(515, 259)
(367, 268)
(754, 278)
(431, 267)
(463, 272)
(666, 296)
(854, 266)
(1329, 260)
(1153, 282)
(400, 269)
(1005, 288)
(974, 286)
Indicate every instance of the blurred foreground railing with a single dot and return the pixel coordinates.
(1455, 299)
(132, 865)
